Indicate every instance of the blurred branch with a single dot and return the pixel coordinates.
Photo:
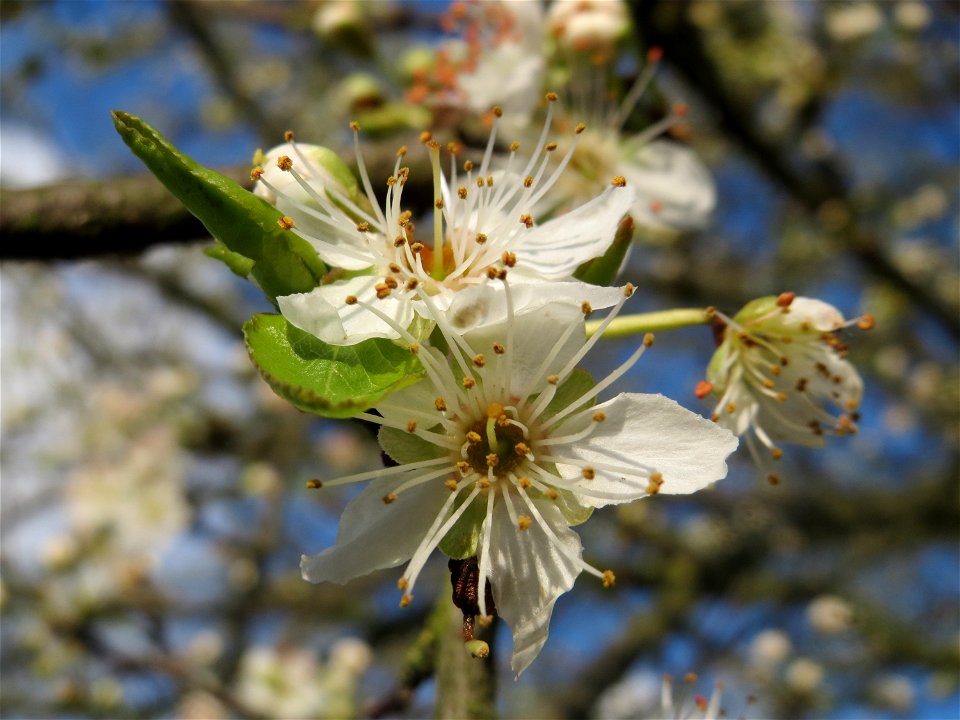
(125, 216)
(665, 24)
(465, 687)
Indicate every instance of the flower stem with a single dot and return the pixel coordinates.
(627, 325)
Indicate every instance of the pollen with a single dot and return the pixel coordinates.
(599, 416)
(469, 383)
(619, 181)
(463, 466)
(609, 579)
(498, 348)
(440, 404)
(552, 97)
(493, 460)
(314, 484)
(589, 473)
(524, 522)
(405, 600)
(350, 300)
(550, 147)
(479, 360)
(473, 437)
(383, 290)
(389, 498)
(867, 322)
(462, 193)
(411, 426)
(579, 128)
(256, 172)
(553, 379)
(656, 482)
(527, 220)
(521, 449)
(285, 222)
(585, 308)
(481, 238)
(525, 482)
(451, 485)
(284, 162)
(628, 290)
(508, 258)
(648, 340)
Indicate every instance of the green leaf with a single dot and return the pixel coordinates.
(604, 269)
(329, 380)
(283, 263)
(238, 264)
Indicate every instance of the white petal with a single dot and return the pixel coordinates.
(374, 535)
(529, 573)
(324, 313)
(821, 316)
(672, 176)
(645, 430)
(483, 306)
(557, 248)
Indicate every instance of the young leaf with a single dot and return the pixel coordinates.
(329, 380)
(282, 262)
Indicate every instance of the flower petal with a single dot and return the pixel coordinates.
(323, 312)
(675, 191)
(375, 535)
(528, 574)
(644, 430)
(557, 248)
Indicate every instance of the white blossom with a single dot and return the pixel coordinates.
(501, 449)
(780, 371)
(482, 224)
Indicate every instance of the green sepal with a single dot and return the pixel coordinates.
(603, 270)
(239, 264)
(573, 512)
(329, 380)
(463, 539)
(569, 391)
(283, 263)
(405, 447)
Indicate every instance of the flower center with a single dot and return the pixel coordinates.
(501, 446)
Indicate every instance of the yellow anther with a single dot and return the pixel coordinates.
(473, 437)
(773, 479)
(648, 339)
(782, 396)
(609, 579)
(469, 383)
(866, 322)
(524, 522)
(776, 453)
(553, 379)
(402, 584)
(489, 181)
(655, 483)
(619, 181)
(628, 290)
(383, 290)
(514, 146)
(451, 485)
(288, 136)
(775, 369)
(497, 110)
(440, 404)
(411, 426)
(525, 482)
(463, 466)
(599, 416)
(256, 173)
(528, 181)
(389, 498)
(551, 494)
(284, 162)
(508, 258)
(405, 600)
(402, 151)
(492, 460)
(468, 166)
(550, 147)
(481, 238)
(579, 128)
(425, 136)
(552, 97)
(521, 449)
(527, 220)
(494, 410)
(588, 473)
(479, 360)
(483, 483)
(498, 348)
(417, 248)
(730, 408)
(350, 299)
(390, 282)
(462, 193)
(439, 204)
(355, 126)
(285, 222)
(411, 284)
(586, 308)
(768, 383)
(414, 348)
(314, 484)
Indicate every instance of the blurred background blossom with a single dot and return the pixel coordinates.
(153, 500)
